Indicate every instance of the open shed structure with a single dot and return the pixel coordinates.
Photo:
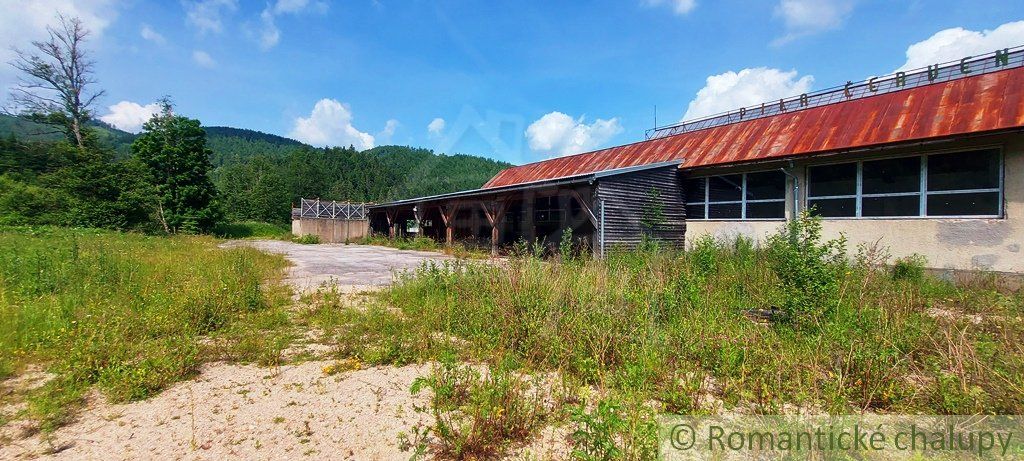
(928, 162)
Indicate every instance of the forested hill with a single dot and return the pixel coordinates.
(259, 175)
(235, 144)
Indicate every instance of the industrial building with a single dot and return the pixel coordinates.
(928, 162)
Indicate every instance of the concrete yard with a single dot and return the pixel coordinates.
(349, 267)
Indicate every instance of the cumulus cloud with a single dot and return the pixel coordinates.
(203, 59)
(22, 22)
(129, 116)
(149, 34)
(957, 43)
(389, 130)
(806, 17)
(680, 7)
(732, 90)
(330, 124)
(560, 134)
(207, 15)
(435, 127)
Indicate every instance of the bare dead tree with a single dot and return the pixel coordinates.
(55, 76)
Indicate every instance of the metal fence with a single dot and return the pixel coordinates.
(952, 70)
(317, 208)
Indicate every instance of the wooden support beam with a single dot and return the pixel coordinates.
(391, 214)
(586, 207)
(495, 210)
(448, 216)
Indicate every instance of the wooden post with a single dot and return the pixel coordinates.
(448, 216)
(495, 213)
(391, 222)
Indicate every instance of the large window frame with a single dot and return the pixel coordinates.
(707, 202)
(923, 193)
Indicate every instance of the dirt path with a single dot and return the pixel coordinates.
(249, 412)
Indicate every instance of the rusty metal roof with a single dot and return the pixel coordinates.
(981, 103)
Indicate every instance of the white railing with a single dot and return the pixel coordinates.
(316, 208)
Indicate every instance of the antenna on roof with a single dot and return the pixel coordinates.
(655, 116)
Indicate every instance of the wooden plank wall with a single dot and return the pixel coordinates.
(625, 197)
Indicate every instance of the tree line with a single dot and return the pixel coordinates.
(177, 176)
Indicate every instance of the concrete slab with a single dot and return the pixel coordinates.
(349, 267)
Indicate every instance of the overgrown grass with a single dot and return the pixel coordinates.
(129, 313)
(845, 333)
(460, 249)
(252, 229)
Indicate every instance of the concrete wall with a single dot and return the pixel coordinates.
(964, 244)
(331, 230)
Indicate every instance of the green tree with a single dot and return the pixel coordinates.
(172, 148)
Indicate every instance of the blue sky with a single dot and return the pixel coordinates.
(517, 81)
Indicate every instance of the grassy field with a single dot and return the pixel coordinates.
(129, 314)
(662, 331)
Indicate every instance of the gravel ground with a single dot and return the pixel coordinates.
(350, 267)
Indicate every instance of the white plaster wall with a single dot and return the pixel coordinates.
(968, 244)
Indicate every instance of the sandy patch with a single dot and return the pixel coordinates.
(249, 412)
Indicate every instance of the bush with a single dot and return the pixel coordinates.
(477, 416)
(809, 270)
(612, 431)
(250, 229)
(910, 268)
(308, 239)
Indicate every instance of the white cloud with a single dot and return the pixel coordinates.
(384, 137)
(330, 124)
(269, 35)
(22, 21)
(806, 17)
(129, 116)
(561, 135)
(732, 90)
(298, 6)
(435, 127)
(957, 43)
(680, 7)
(206, 15)
(203, 59)
(149, 34)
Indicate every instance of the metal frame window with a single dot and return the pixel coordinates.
(740, 196)
(905, 187)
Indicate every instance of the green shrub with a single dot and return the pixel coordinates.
(476, 415)
(810, 270)
(613, 431)
(308, 239)
(250, 229)
(910, 268)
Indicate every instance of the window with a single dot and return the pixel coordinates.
(955, 184)
(737, 196)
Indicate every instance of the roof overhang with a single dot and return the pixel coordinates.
(584, 178)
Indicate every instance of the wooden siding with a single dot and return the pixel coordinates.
(625, 198)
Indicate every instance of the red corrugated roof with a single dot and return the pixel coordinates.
(982, 103)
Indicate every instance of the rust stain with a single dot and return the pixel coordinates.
(986, 102)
